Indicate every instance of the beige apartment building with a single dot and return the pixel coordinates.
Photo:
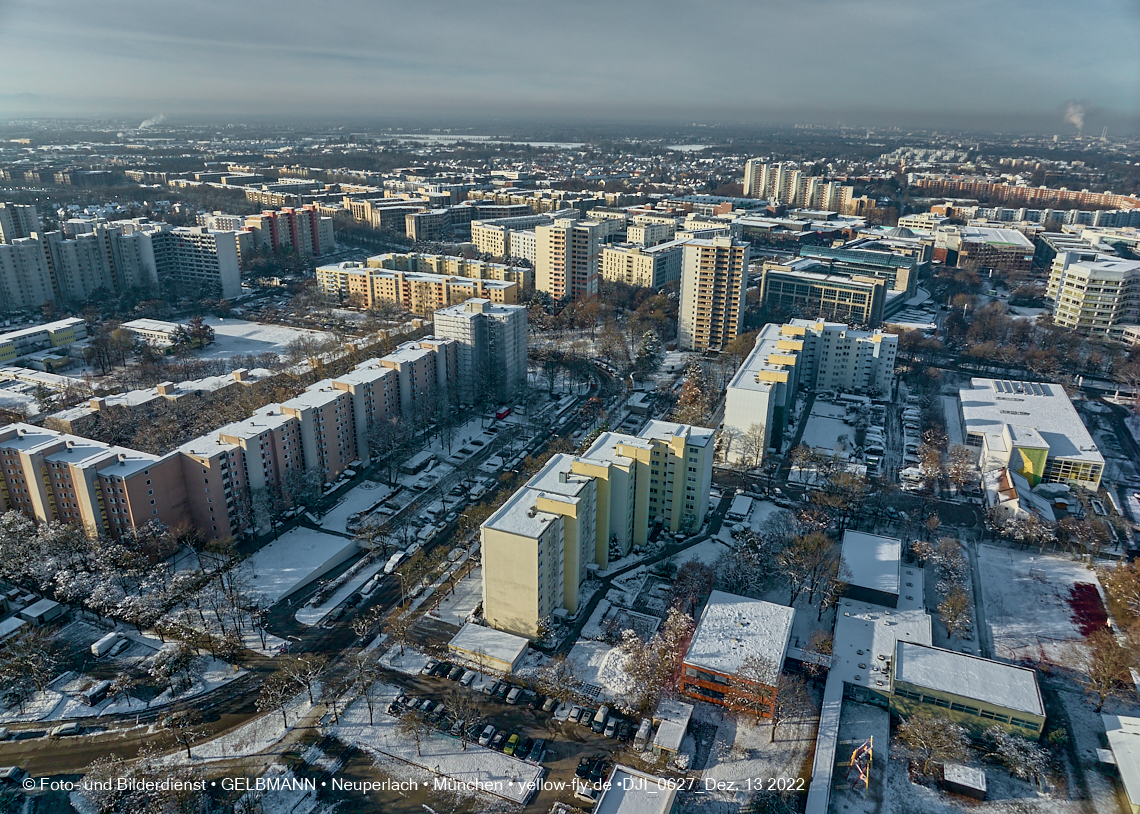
(714, 275)
(647, 267)
(577, 511)
(412, 291)
(568, 256)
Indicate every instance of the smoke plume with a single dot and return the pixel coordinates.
(151, 122)
(1075, 115)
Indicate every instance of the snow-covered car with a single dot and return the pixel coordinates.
(488, 734)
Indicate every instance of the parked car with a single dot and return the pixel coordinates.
(442, 668)
(503, 691)
(513, 696)
(497, 741)
(428, 705)
(588, 794)
(575, 714)
(535, 700)
(624, 731)
(456, 673)
(467, 678)
(599, 770)
(611, 728)
(524, 748)
(536, 750)
(584, 766)
(587, 718)
(549, 705)
(491, 689)
(429, 668)
(488, 734)
(457, 727)
(66, 730)
(511, 745)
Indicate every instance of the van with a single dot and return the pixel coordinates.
(641, 739)
(105, 644)
(600, 718)
(96, 693)
(391, 565)
(66, 730)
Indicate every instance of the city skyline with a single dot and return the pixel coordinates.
(738, 63)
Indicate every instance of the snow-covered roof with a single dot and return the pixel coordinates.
(871, 561)
(494, 644)
(990, 405)
(630, 791)
(962, 775)
(865, 635)
(39, 608)
(666, 430)
(674, 719)
(991, 682)
(734, 627)
(1124, 740)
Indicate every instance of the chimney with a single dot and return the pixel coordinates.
(563, 477)
(241, 375)
(166, 389)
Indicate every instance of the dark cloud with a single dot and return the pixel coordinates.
(972, 63)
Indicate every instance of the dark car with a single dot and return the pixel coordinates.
(536, 750)
(587, 718)
(584, 766)
(491, 689)
(497, 741)
(352, 601)
(476, 442)
(537, 700)
(526, 698)
(599, 770)
(442, 669)
(502, 691)
(427, 706)
(524, 748)
(624, 731)
(455, 674)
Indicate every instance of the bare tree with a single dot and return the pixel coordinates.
(790, 702)
(751, 688)
(934, 738)
(955, 612)
(1102, 666)
(1021, 756)
(276, 693)
(305, 670)
(413, 724)
(184, 727)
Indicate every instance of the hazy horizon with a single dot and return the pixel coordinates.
(880, 63)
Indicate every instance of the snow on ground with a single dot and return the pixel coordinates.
(1026, 599)
(409, 662)
(624, 590)
(234, 337)
(313, 615)
(207, 674)
(593, 627)
(457, 606)
(256, 736)
(296, 559)
(281, 797)
(358, 499)
(602, 669)
(825, 425)
(476, 768)
(742, 751)
(707, 551)
(761, 511)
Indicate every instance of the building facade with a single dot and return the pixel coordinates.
(1095, 293)
(714, 275)
(643, 266)
(492, 343)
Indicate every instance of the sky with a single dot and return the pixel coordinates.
(986, 64)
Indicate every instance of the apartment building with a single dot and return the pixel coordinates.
(412, 291)
(801, 354)
(494, 236)
(1095, 293)
(567, 257)
(652, 266)
(579, 511)
(454, 266)
(424, 368)
(270, 444)
(25, 277)
(328, 436)
(18, 221)
(646, 233)
(491, 347)
(714, 275)
(302, 229)
(375, 394)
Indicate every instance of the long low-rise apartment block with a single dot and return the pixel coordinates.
(1031, 429)
(409, 290)
(578, 511)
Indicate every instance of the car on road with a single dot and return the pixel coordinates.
(455, 674)
(497, 741)
(488, 734)
(429, 667)
(511, 745)
(66, 730)
(513, 696)
(467, 678)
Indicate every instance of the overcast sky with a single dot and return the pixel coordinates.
(997, 64)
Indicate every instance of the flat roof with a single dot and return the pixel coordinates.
(1124, 740)
(40, 607)
(992, 682)
(674, 717)
(989, 405)
(495, 644)
(865, 635)
(871, 561)
(734, 627)
(58, 325)
(630, 791)
(666, 430)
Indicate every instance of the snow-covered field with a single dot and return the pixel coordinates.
(476, 768)
(1027, 602)
(408, 662)
(235, 337)
(454, 608)
(296, 559)
(824, 426)
(358, 499)
(601, 668)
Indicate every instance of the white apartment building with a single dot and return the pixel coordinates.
(577, 511)
(802, 353)
(17, 221)
(491, 347)
(1095, 293)
(714, 275)
(25, 278)
(645, 267)
(649, 233)
(523, 245)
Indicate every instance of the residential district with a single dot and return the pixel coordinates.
(397, 472)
